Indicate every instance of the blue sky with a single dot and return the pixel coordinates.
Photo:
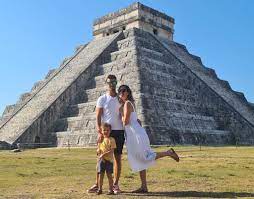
(35, 36)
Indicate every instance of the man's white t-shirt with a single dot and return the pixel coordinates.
(111, 112)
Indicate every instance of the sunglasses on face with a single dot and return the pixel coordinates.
(111, 82)
(123, 90)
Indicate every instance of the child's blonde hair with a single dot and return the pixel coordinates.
(106, 125)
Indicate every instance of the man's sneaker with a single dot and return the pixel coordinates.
(116, 189)
(99, 192)
(93, 189)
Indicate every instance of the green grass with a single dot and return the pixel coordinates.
(214, 172)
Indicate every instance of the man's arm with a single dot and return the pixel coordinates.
(99, 112)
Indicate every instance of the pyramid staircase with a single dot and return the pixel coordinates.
(178, 100)
(31, 117)
(78, 127)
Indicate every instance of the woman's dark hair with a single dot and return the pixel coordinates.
(123, 88)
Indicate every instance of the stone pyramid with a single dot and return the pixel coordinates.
(178, 99)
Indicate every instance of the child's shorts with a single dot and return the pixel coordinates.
(104, 165)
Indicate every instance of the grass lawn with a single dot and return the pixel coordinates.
(213, 172)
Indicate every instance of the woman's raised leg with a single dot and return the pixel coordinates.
(171, 153)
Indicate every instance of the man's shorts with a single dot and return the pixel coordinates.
(118, 135)
(104, 165)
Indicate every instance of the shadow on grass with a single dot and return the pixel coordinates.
(196, 194)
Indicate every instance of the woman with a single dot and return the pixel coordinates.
(140, 154)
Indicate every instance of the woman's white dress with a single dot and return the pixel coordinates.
(140, 155)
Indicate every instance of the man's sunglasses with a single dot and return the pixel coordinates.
(112, 82)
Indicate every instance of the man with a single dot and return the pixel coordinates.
(107, 111)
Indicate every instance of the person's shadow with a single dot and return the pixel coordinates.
(196, 194)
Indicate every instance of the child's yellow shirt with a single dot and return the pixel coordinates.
(106, 145)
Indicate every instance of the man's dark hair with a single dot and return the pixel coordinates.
(111, 77)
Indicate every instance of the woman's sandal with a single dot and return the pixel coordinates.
(174, 155)
(140, 190)
(110, 192)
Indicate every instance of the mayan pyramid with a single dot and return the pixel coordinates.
(178, 99)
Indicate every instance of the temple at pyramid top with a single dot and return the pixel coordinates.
(136, 15)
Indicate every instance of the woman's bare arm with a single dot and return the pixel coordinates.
(127, 109)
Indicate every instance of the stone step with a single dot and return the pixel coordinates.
(162, 93)
(75, 123)
(191, 116)
(149, 52)
(137, 41)
(174, 105)
(159, 65)
(181, 120)
(155, 65)
(120, 54)
(93, 94)
(132, 51)
(204, 137)
(192, 121)
(204, 131)
(185, 135)
(114, 66)
(164, 79)
(80, 109)
(126, 68)
(101, 79)
(73, 132)
(157, 56)
(123, 76)
(153, 54)
(75, 138)
(241, 96)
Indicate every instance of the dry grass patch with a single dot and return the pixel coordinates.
(214, 172)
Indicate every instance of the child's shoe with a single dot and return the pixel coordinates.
(116, 189)
(93, 189)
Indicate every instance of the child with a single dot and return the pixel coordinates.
(105, 153)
